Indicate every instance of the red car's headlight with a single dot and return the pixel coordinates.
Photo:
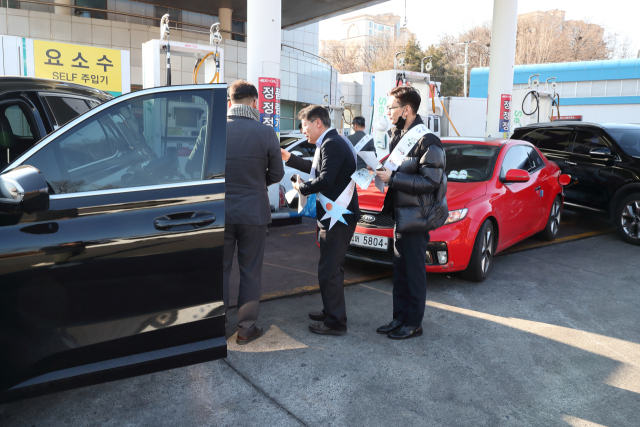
(455, 216)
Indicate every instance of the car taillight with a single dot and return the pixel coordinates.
(564, 179)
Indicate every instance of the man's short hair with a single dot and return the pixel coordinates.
(315, 112)
(359, 121)
(240, 90)
(300, 127)
(406, 95)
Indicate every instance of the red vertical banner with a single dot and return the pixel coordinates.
(269, 102)
(505, 113)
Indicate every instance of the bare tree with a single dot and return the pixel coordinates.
(542, 37)
(373, 54)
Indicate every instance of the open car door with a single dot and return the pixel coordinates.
(116, 271)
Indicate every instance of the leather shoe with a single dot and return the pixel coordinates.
(393, 326)
(406, 332)
(322, 329)
(317, 315)
(257, 333)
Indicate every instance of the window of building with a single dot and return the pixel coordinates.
(94, 4)
(239, 27)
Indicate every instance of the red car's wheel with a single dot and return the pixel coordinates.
(482, 255)
(550, 232)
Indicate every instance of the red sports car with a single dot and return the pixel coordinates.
(499, 192)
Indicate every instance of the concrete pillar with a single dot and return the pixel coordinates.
(60, 10)
(264, 37)
(224, 15)
(503, 55)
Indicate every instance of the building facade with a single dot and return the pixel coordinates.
(599, 91)
(126, 25)
(359, 29)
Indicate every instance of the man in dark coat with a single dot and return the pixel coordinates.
(417, 199)
(253, 163)
(358, 126)
(333, 165)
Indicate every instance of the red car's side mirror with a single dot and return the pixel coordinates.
(516, 175)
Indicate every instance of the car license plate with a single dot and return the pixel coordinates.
(371, 242)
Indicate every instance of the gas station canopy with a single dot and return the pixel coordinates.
(294, 12)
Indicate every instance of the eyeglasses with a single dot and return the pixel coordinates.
(389, 108)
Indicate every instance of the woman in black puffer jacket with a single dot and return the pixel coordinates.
(417, 199)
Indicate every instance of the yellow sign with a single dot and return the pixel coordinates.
(87, 65)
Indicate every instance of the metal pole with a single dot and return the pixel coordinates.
(502, 54)
(466, 66)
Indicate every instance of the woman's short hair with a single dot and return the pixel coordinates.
(406, 95)
(315, 112)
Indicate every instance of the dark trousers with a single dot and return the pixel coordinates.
(409, 277)
(333, 248)
(251, 241)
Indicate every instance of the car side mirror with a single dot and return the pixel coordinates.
(297, 153)
(23, 189)
(516, 175)
(601, 153)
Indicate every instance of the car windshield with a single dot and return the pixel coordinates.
(627, 139)
(470, 162)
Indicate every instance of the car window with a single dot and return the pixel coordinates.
(535, 159)
(556, 139)
(306, 147)
(64, 109)
(627, 139)
(532, 136)
(132, 143)
(469, 162)
(586, 141)
(18, 122)
(18, 131)
(516, 158)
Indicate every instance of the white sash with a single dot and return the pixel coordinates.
(405, 145)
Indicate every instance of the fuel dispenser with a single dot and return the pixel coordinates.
(533, 105)
(182, 118)
(211, 56)
(385, 82)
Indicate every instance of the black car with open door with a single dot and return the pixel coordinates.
(110, 247)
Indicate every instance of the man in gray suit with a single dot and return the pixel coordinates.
(358, 126)
(253, 163)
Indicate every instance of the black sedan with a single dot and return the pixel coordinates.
(604, 163)
(110, 251)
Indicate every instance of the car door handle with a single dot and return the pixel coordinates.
(537, 188)
(571, 163)
(196, 219)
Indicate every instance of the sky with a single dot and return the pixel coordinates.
(429, 19)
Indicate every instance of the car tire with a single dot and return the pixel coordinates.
(628, 219)
(550, 231)
(482, 255)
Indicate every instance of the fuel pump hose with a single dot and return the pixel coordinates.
(433, 90)
(216, 77)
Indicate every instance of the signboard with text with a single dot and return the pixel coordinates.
(569, 118)
(96, 67)
(269, 102)
(505, 113)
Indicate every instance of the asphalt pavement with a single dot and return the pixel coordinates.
(551, 338)
(291, 256)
